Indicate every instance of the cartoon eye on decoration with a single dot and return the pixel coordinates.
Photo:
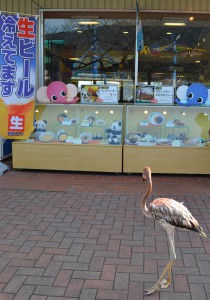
(190, 95)
(63, 93)
(53, 98)
(200, 100)
(195, 94)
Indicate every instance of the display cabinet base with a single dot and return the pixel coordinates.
(103, 158)
(169, 160)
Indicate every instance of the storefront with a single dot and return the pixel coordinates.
(126, 115)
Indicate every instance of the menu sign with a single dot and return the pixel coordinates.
(99, 94)
(150, 94)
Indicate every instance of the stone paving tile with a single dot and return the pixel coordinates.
(82, 236)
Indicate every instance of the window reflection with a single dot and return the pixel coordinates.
(104, 50)
(99, 50)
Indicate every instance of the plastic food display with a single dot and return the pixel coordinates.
(80, 124)
(170, 126)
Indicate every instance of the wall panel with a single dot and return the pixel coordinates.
(47, 3)
(32, 7)
(3, 5)
(101, 4)
(73, 4)
(9, 5)
(130, 4)
(183, 5)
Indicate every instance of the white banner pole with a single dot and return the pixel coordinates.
(136, 54)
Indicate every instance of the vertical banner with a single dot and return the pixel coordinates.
(139, 46)
(17, 75)
(140, 37)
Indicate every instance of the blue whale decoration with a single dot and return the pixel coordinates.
(195, 94)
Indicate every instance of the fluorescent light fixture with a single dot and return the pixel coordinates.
(174, 24)
(125, 32)
(74, 58)
(79, 31)
(88, 22)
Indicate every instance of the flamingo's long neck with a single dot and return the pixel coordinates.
(145, 197)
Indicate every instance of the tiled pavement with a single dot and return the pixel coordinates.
(66, 235)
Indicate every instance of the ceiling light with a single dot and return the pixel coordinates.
(197, 61)
(79, 31)
(88, 22)
(191, 18)
(125, 32)
(174, 24)
(74, 58)
(168, 33)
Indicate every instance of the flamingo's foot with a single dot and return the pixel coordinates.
(163, 285)
(152, 289)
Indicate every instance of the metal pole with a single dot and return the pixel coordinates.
(136, 58)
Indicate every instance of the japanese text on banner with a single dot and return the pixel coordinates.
(17, 75)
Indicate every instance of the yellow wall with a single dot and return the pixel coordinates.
(30, 7)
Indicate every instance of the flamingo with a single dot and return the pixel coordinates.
(170, 214)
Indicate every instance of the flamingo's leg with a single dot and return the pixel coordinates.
(164, 283)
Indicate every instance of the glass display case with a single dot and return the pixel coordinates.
(169, 139)
(117, 138)
(74, 137)
(78, 124)
(173, 126)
